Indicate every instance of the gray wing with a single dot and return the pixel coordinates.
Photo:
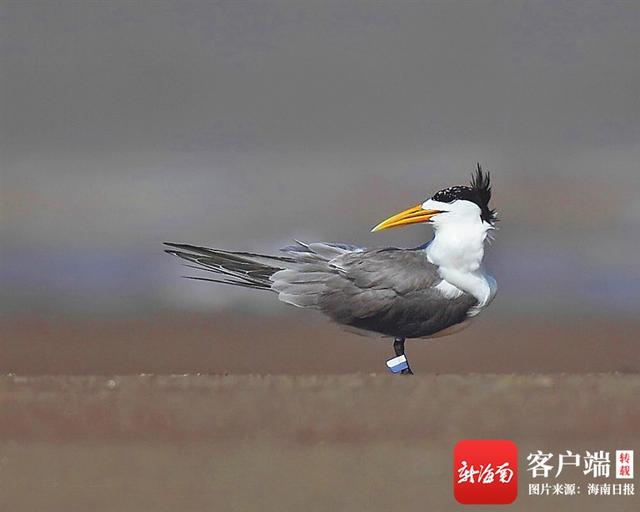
(389, 291)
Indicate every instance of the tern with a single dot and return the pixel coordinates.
(426, 292)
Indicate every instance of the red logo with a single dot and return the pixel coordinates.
(485, 472)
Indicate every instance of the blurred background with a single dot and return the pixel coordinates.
(242, 125)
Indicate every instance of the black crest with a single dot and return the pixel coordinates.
(479, 192)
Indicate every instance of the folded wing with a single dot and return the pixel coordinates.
(390, 291)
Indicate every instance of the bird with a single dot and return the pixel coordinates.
(424, 292)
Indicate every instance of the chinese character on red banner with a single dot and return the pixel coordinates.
(624, 463)
(485, 472)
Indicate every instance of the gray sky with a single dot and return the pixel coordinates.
(369, 75)
(245, 124)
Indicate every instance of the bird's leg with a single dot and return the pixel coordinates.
(398, 347)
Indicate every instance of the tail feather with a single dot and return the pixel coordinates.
(300, 277)
(238, 268)
(224, 281)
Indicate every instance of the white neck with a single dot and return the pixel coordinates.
(457, 249)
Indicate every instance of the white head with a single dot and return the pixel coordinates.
(461, 218)
(451, 207)
(459, 212)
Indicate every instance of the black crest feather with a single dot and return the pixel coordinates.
(479, 192)
(481, 187)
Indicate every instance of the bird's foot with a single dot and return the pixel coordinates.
(399, 364)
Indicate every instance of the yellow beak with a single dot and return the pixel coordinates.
(411, 215)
